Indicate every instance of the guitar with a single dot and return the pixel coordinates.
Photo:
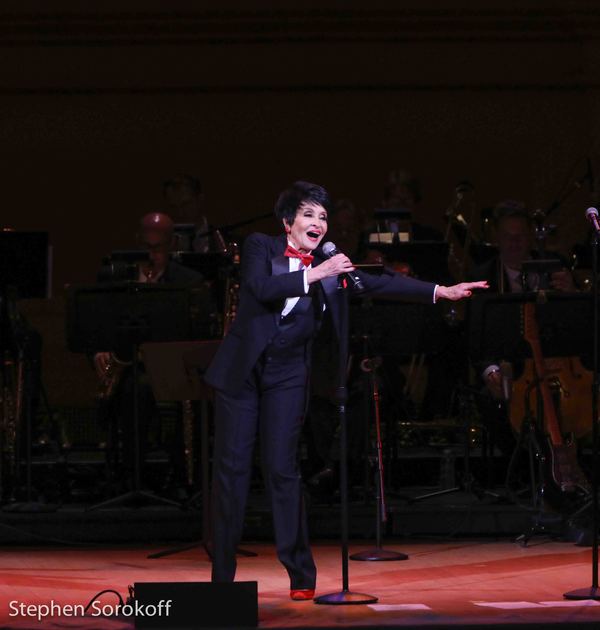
(564, 467)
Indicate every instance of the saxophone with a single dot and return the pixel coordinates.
(110, 379)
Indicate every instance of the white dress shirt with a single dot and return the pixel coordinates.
(295, 265)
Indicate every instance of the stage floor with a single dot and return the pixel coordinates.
(444, 583)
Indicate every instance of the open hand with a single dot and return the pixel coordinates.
(460, 291)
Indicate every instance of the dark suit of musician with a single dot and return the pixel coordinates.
(261, 372)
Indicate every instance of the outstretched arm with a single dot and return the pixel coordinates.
(459, 291)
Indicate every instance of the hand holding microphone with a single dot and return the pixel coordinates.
(338, 264)
(331, 251)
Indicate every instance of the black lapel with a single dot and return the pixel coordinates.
(330, 291)
(281, 264)
(332, 299)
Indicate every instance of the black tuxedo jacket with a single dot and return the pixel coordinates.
(266, 283)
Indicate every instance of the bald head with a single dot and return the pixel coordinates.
(157, 222)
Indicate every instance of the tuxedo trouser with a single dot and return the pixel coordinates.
(272, 405)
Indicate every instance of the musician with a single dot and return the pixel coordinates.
(156, 236)
(402, 191)
(184, 200)
(514, 235)
(261, 370)
(347, 226)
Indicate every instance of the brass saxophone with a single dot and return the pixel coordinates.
(110, 379)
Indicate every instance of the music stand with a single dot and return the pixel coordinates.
(120, 317)
(122, 265)
(427, 259)
(26, 263)
(495, 325)
(208, 264)
(543, 268)
(398, 328)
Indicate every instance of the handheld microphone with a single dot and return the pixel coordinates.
(591, 214)
(330, 250)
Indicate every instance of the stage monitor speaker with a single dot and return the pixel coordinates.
(196, 605)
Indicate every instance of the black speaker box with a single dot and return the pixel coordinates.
(196, 605)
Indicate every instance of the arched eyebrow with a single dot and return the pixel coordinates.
(311, 210)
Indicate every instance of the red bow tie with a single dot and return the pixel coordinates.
(291, 252)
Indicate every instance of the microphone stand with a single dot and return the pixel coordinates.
(588, 176)
(592, 592)
(369, 366)
(345, 596)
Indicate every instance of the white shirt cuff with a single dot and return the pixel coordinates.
(305, 276)
(435, 293)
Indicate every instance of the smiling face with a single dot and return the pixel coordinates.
(309, 226)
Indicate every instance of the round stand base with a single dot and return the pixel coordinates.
(591, 592)
(378, 555)
(345, 598)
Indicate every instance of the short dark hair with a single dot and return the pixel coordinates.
(298, 193)
(511, 209)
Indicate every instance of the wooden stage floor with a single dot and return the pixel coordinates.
(454, 583)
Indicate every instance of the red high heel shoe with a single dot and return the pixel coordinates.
(302, 594)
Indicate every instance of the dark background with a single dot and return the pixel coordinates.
(101, 101)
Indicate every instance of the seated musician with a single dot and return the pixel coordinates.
(347, 226)
(184, 200)
(403, 192)
(113, 368)
(514, 234)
